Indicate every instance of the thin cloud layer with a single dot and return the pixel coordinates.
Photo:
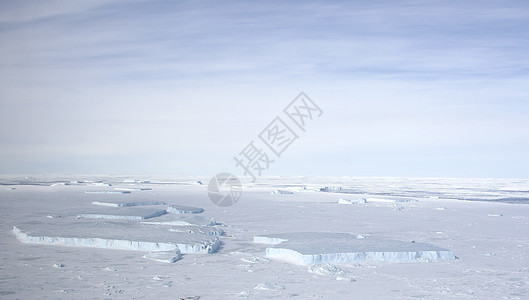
(180, 87)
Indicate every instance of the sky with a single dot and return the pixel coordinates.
(407, 88)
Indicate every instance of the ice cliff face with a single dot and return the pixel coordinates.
(308, 248)
(298, 258)
(207, 246)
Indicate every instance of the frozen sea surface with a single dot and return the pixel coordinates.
(59, 256)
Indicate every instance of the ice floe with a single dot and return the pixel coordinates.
(164, 256)
(283, 192)
(107, 192)
(351, 201)
(269, 286)
(331, 189)
(186, 220)
(132, 189)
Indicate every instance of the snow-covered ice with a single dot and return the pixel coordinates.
(351, 201)
(164, 256)
(132, 189)
(185, 220)
(493, 250)
(122, 235)
(282, 192)
(107, 192)
(268, 286)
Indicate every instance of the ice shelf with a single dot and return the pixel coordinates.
(310, 248)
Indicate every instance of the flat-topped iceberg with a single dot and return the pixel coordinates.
(124, 214)
(107, 192)
(207, 230)
(186, 220)
(181, 209)
(308, 248)
(115, 235)
(127, 203)
(282, 192)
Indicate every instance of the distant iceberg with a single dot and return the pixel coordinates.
(276, 192)
(186, 220)
(180, 209)
(127, 204)
(107, 192)
(124, 215)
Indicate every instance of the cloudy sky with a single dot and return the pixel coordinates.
(408, 88)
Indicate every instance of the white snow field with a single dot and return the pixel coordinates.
(424, 238)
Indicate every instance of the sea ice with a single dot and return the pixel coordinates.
(164, 256)
(132, 189)
(99, 184)
(269, 286)
(331, 189)
(107, 192)
(326, 269)
(276, 192)
(180, 209)
(186, 220)
(308, 248)
(350, 201)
